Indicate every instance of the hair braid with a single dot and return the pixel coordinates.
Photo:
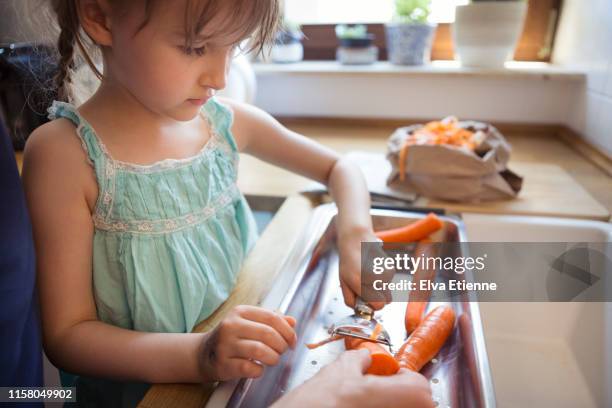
(68, 21)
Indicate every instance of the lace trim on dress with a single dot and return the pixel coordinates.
(110, 166)
(215, 140)
(168, 225)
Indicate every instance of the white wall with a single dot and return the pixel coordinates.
(584, 41)
(503, 98)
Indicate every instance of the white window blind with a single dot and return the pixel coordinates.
(359, 11)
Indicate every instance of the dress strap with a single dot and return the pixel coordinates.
(85, 132)
(222, 118)
(103, 166)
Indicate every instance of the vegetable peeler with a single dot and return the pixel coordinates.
(360, 325)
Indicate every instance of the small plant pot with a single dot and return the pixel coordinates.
(357, 55)
(360, 42)
(357, 51)
(486, 33)
(409, 43)
(287, 48)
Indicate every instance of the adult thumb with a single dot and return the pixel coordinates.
(357, 361)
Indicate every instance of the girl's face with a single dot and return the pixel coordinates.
(152, 64)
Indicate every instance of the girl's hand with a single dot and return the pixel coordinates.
(248, 339)
(349, 245)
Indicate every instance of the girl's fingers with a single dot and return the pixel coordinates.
(291, 320)
(348, 294)
(242, 368)
(255, 350)
(273, 320)
(264, 334)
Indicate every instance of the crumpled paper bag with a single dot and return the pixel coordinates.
(453, 174)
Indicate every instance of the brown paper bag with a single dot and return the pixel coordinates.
(454, 174)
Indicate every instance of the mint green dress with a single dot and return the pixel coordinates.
(168, 243)
(170, 237)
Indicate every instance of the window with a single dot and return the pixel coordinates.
(318, 18)
(359, 11)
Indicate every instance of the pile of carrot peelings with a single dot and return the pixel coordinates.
(445, 132)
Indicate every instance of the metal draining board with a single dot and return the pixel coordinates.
(309, 290)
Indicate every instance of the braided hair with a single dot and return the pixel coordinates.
(70, 36)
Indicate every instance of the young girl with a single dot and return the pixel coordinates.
(140, 229)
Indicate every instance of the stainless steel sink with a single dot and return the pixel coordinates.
(307, 288)
(264, 208)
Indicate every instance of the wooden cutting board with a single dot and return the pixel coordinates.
(548, 190)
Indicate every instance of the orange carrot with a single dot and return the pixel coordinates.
(427, 340)
(412, 232)
(382, 363)
(414, 315)
(418, 299)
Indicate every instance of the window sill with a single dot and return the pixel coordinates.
(513, 69)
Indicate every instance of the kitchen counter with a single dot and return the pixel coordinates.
(544, 162)
(557, 180)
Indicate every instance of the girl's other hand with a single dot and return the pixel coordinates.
(349, 246)
(242, 344)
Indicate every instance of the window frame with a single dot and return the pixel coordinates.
(535, 44)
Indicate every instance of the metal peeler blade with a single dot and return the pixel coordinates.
(360, 325)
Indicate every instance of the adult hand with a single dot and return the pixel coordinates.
(344, 384)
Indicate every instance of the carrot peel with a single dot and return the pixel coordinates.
(331, 339)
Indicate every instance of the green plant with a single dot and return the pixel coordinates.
(344, 31)
(412, 11)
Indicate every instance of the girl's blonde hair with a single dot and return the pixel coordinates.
(261, 18)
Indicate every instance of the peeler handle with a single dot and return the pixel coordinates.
(363, 309)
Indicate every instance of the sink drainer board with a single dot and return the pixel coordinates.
(309, 290)
(553, 354)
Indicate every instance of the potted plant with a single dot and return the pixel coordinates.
(486, 32)
(355, 45)
(287, 45)
(409, 34)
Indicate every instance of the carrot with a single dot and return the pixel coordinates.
(414, 315)
(418, 299)
(427, 340)
(383, 363)
(412, 232)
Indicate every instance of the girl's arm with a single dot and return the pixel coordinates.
(60, 188)
(57, 180)
(259, 134)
